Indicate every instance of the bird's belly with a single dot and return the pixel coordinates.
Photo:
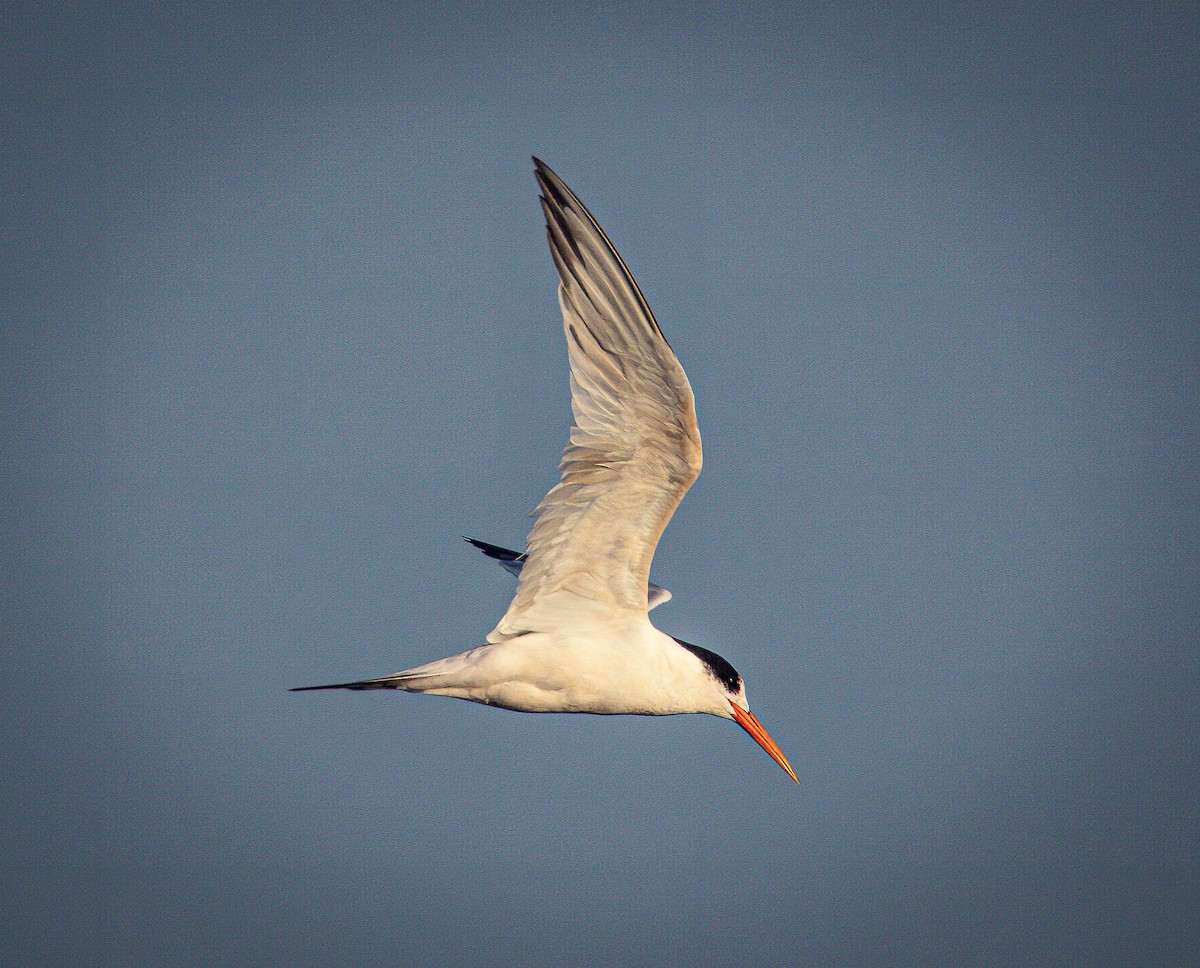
(527, 698)
(544, 674)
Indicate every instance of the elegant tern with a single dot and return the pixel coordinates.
(577, 637)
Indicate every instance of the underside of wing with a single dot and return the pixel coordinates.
(634, 448)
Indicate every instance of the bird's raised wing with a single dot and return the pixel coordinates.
(634, 448)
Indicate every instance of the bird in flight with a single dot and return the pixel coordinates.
(577, 637)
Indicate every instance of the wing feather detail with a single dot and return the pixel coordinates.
(634, 447)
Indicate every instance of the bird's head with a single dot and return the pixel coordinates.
(730, 703)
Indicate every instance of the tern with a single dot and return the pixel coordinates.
(577, 637)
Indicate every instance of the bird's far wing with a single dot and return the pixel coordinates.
(512, 561)
(634, 448)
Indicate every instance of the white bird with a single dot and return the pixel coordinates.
(577, 637)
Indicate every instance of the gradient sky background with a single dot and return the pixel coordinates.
(280, 327)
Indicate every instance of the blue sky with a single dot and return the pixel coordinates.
(280, 327)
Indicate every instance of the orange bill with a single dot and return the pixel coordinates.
(749, 722)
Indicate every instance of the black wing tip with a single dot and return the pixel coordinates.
(554, 190)
(559, 201)
(494, 551)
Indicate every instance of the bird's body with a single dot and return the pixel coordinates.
(621, 667)
(577, 637)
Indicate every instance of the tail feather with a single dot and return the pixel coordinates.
(420, 678)
(404, 681)
(365, 684)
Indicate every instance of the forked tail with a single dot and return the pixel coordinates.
(420, 678)
(364, 684)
